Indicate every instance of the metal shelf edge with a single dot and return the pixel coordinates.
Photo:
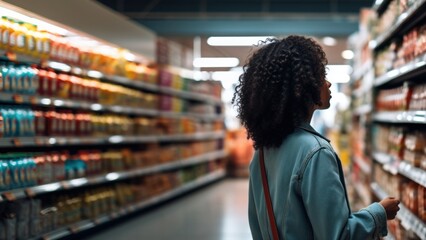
(112, 176)
(398, 23)
(88, 224)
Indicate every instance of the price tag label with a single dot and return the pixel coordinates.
(30, 193)
(9, 196)
(114, 215)
(16, 142)
(18, 99)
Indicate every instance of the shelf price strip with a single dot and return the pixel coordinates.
(416, 174)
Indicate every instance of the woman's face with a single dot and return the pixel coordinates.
(325, 95)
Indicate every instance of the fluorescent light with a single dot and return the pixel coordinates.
(338, 73)
(201, 75)
(226, 75)
(347, 54)
(216, 62)
(236, 41)
(329, 41)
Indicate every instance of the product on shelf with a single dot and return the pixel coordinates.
(414, 145)
(395, 99)
(30, 111)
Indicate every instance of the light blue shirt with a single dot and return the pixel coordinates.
(308, 193)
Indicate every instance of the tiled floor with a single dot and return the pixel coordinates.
(215, 212)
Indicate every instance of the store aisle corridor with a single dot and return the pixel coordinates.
(215, 212)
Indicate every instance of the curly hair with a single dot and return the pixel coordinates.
(280, 83)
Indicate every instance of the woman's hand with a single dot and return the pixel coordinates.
(390, 204)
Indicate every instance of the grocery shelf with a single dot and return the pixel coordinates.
(383, 158)
(416, 174)
(364, 109)
(411, 69)
(417, 117)
(411, 222)
(404, 20)
(201, 116)
(135, 84)
(88, 224)
(365, 167)
(408, 220)
(109, 177)
(390, 163)
(83, 105)
(402, 167)
(115, 139)
(131, 83)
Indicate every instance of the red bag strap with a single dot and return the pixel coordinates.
(268, 197)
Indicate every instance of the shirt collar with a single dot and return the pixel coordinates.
(307, 127)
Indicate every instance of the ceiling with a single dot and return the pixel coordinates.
(243, 17)
(182, 20)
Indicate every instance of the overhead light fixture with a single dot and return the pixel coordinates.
(347, 54)
(329, 41)
(201, 75)
(338, 73)
(236, 41)
(216, 62)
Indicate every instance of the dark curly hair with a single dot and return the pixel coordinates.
(280, 83)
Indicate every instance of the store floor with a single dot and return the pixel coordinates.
(215, 212)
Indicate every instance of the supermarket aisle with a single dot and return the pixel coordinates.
(216, 212)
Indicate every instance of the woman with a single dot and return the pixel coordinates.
(283, 83)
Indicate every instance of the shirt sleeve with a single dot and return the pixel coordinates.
(324, 198)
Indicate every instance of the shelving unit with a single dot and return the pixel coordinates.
(406, 20)
(106, 178)
(194, 149)
(383, 125)
(88, 224)
(408, 219)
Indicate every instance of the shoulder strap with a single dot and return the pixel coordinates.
(268, 196)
